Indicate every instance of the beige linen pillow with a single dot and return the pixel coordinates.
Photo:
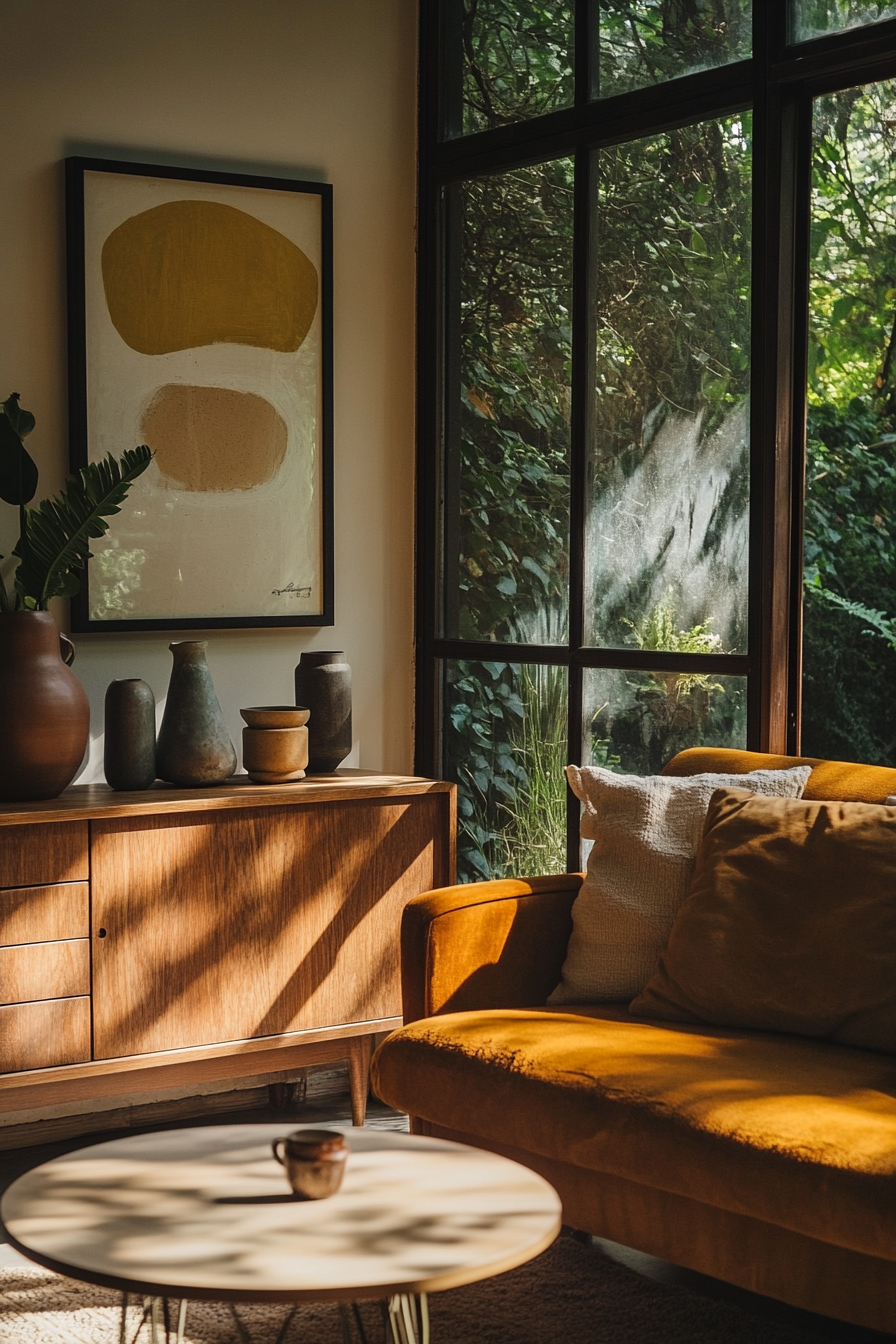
(646, 832)
(789, 924)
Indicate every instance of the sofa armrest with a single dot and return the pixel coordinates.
(485, 945)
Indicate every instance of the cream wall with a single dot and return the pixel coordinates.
(318, 89)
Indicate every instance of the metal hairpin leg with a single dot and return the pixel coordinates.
(155, 1310)
(406, 1321)
(409, 1318)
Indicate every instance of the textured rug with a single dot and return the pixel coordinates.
(570, 1295)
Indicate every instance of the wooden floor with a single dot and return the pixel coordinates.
(328, 1102)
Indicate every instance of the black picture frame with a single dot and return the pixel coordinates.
(156, 259)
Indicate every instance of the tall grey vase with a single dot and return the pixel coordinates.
(129, 741)
(194, 747)
(324, 685)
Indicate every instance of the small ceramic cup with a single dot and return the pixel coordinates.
(314, 1161)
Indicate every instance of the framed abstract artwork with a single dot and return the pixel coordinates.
(200, 323)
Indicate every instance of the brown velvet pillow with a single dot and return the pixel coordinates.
(789, 923)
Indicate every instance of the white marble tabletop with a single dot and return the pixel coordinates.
(207, 1213)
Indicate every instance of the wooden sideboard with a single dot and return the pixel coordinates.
(152, 939)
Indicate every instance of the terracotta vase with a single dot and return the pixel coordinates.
(194, 747)
(44, 712)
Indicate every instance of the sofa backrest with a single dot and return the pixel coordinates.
(842, 780)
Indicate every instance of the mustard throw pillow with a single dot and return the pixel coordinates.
(646, 832)
(789, 924)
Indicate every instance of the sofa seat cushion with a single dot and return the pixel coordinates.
(796, 1132)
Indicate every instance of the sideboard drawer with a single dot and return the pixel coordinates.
(39, 914)
(39, 1035)
(51, 852)
(44, 971)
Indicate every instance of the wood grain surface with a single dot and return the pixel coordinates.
(85, 801)
(205, 1212)
(50, 852)
(236, 924)
(44, 971)
(38, 914)
(135, 1074)
(39, 1035)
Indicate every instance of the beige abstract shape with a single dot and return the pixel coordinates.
(191, 273)
(213, 438)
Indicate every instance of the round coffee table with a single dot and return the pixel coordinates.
(206, 1213)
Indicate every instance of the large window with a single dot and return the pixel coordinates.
(657, 395)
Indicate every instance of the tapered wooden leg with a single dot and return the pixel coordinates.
(359, 1073)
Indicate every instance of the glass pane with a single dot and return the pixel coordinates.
(814, 18)
(516, 59)
(506, 536)
(505, 746)
(649, 41)
(849, 634)
(667, 534)
(635, 722)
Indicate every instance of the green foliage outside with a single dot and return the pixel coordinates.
(505, 744)
(517, 56)
(658, 632)
(517, 60)
(672, 281)
(649, 41)
(507, 536)
(672, 344)
(669, 304)
(850, 520)
(671, 330)
(645, 718)
(814, 18)
(512, 556)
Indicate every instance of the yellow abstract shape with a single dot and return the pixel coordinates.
(213, 438)
(190, 273)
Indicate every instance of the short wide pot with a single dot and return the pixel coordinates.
(275, 755)
(44, 713)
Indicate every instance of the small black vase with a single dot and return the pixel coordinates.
(129, 745)
(324, 685)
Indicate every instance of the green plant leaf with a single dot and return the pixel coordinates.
(18, 471)
(56, 535)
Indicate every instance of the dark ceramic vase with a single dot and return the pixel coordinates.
(324, 685)
(194, 747)
(44, 711)
(129, 744)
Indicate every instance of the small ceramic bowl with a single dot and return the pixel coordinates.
(276, 716)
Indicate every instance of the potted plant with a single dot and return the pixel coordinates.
(45, 715)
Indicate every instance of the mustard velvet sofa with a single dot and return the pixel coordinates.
(762, 1159)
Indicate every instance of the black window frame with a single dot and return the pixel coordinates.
(780, 82)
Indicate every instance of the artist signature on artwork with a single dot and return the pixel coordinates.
(292, 591)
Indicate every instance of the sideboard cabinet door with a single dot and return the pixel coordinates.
(221, 926)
